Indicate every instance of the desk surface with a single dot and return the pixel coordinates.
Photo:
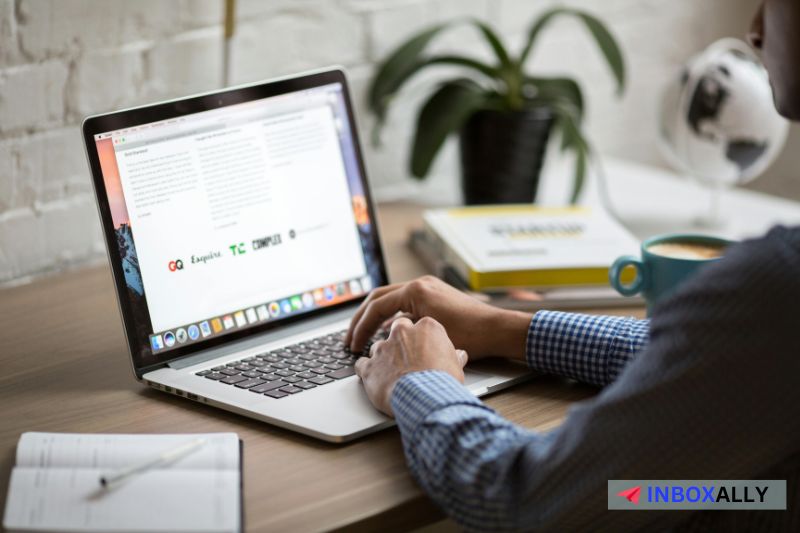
(65, 368)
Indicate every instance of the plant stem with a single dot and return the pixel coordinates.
(513, 79)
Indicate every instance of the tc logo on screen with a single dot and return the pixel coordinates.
(237, 249)
(175, 265)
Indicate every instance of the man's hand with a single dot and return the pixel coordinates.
(409, 348)
(478, 328)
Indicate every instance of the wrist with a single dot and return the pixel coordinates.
(509, 334)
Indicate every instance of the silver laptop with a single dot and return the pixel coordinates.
(242, 238)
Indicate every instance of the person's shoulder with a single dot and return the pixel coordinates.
(777, 252)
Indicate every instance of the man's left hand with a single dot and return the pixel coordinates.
(409, 348)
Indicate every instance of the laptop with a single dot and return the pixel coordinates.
(242, 238)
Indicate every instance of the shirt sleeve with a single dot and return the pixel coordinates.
(707, 398)
(588, 348)
(459, 450)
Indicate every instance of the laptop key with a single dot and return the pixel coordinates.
(257, 363)
(249, 383)
(304, 385)
(290, 379)
(276, 394)
(229, 372)
(312, 364)
(272, 358)
(230, 380)
(268, 386)
(203, 373)
(291, 389)
(305, 375)
(325, 360)
(216, 376)
(218, 368)
(280, 366)
(284, 373)
(251, 374)
(320, 380)
(343, 372)
(332, 366)
(320, 370)
(307, 356)
(248, 359)
(297, 368)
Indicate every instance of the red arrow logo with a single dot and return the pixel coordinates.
(631, 494)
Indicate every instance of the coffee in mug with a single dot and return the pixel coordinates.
(687, 250)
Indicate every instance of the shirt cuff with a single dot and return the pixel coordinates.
(418, 394)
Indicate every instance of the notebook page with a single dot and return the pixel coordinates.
(111, 451)
(60, 499)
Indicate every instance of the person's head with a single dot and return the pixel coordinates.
(775, 31)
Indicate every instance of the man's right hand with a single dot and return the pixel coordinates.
(478, 328)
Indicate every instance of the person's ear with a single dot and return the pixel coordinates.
(756, 34)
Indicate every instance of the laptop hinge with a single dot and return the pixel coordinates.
(264, 338)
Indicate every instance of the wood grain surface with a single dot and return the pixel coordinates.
(65, 368)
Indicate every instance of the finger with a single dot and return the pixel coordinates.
(400, 323)
(362, 364)
(463, 357)
(388, 323)
(378, 310)
(373, 350)
(376, 293)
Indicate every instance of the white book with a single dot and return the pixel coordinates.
(55, 485)
(496, 247)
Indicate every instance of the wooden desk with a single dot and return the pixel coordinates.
(65, 368)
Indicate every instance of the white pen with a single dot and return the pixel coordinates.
(109, 480)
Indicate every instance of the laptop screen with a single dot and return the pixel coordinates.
(232, 218)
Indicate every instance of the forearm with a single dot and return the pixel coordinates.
(461, 452)
(589, 348)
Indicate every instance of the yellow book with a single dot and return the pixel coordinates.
(497, 247)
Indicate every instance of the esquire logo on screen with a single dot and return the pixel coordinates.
(205, 258)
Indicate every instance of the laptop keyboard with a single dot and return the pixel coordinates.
(291, 369)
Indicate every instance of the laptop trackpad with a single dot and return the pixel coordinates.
(471, 377)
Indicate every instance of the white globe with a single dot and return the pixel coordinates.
(718, 119)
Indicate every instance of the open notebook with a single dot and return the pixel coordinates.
(55, 484)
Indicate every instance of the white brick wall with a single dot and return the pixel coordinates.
(63, 59)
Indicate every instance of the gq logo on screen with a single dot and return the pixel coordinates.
(731, 494)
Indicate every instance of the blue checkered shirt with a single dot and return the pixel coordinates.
(707, 390)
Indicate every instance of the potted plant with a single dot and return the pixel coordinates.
(503, 114)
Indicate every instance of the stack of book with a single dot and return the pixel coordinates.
(527, 257)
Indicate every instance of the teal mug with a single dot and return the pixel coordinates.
(667, 261)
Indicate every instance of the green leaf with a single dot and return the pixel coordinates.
(573, 139)
(537, 28)
(559, 91)
(444, 113)
(605, 41)
(580, 175)
(486, 70)
(608, 45)
(396, 69)
(494, 41)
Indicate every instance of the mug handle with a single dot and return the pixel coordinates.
(615, 273)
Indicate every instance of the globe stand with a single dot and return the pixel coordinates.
(712, 219)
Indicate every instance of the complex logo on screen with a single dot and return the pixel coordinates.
(266, 242)
(175, 265)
